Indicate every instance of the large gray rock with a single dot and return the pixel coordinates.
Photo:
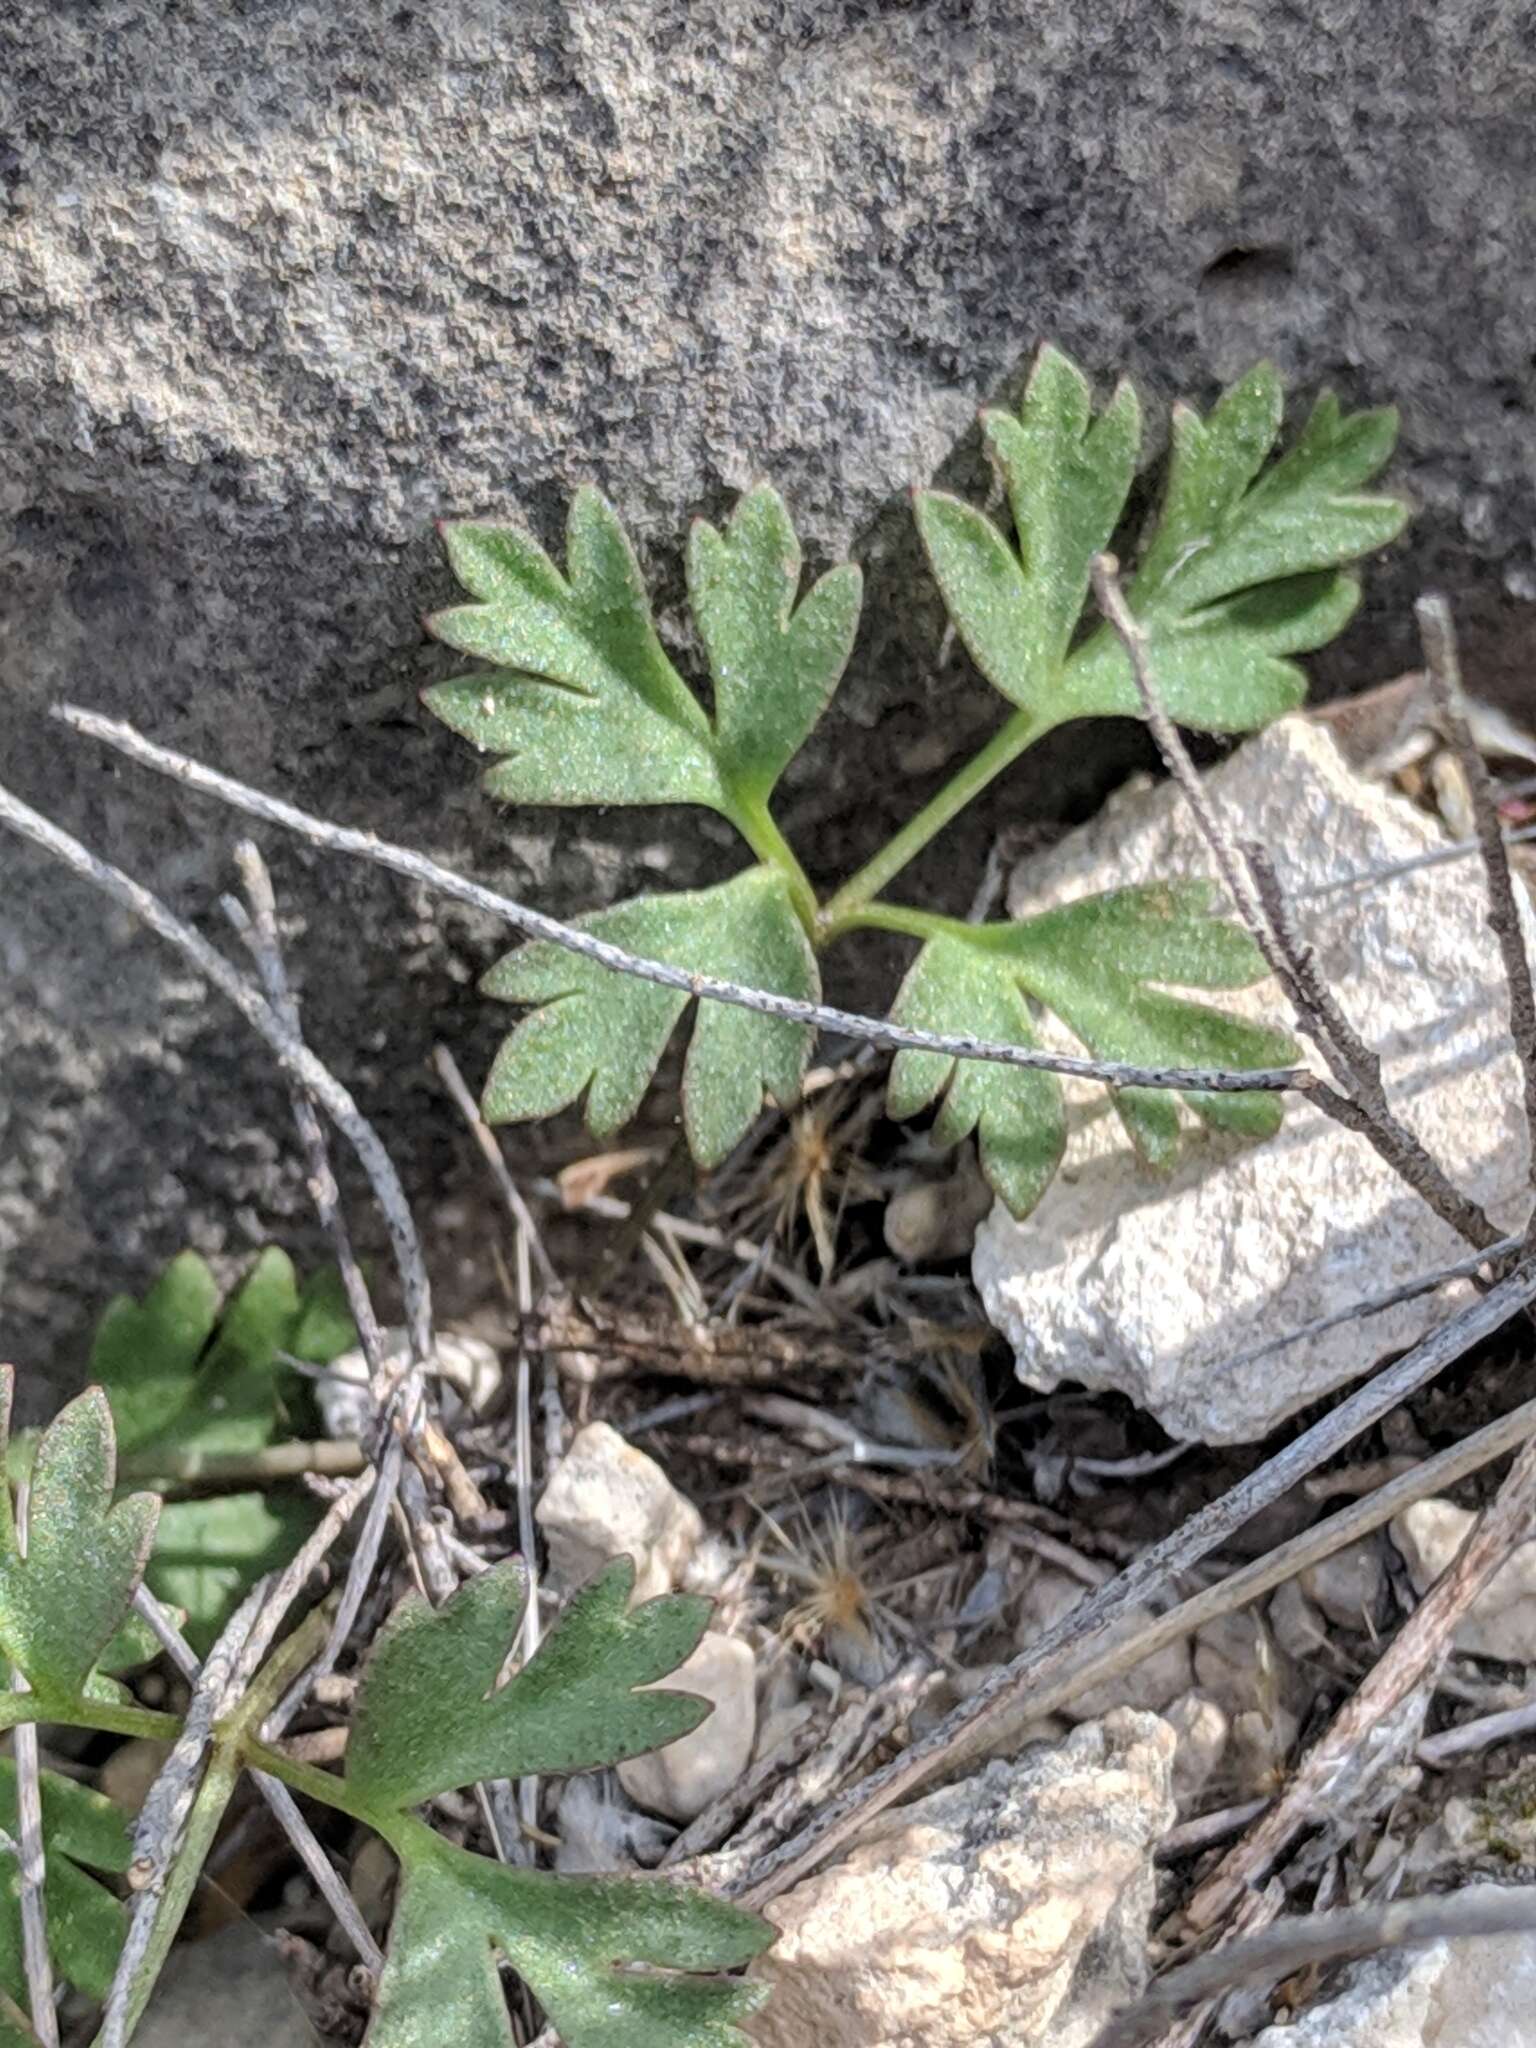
(277, 286)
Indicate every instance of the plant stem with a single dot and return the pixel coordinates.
(1004, 747)
(312, 1783)
(84, 1713)
(904, 918)
(753, 819)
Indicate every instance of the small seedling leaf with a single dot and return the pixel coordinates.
(82, 1831)
(576, 1942)
(602, 1034)
(583, 701)
(62, 1603)
(431, 1717)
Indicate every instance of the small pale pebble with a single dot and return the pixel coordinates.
(605, 1499)
(690, 1774)
(1501, 1621)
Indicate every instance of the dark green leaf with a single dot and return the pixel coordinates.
(953, 986)
(169, 1388)
(85, 1921)
(774, 664)
(584, 701)
(62, 1603)
(430, 1716)
(603, 1033)
(575, 1942)
(209, 1553)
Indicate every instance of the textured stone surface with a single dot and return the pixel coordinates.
(605, 1499)
(1154, 1285)
(685, 1777)
(1501, 1622)
(277, 287)
(1451, 1994)
(1009, 1907)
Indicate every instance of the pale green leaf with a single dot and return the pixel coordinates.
(430, 1716)
(602, 1034)
(62, 1603)
(86, 1922)
(774, 664)
(614, 1962)
(583, 702)
(957, 986)
(1067, 476)
(209, 1553)
(1107, 966)
(144, 1356)
(1095, 962)
(1241, 570)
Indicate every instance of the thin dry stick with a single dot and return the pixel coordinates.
(280, 1801)
(1504, 921)
(485, 1139)
(292, 1055)
(1436, 1750)
(1316, 1938)
(1437, 856)
(30, 1856)
(1359, 1102)
(1060, 1647)
(417, 868)
(1415, 1653)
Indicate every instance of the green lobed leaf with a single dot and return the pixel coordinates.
(774, 664)
(584, 703)
(86, 1923)
(1016, 1113)
(62, 1603)
(575, 1942)
(602, 1034)
(169, 1387)
(1094, 963)
(430, 1716)
(1241, 571)
(1067, 476)
(144, 1356)
(1107, 966)
(210, 1552)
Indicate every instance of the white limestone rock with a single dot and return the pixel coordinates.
(1449, 1994)
(691, 1773)
(1009, 1907)
(605, 1499)
(1501, 1622)
(1151, 1285)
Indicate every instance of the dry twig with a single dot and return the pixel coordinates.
(1315, 1938)
(416, 867)
(1504, 921)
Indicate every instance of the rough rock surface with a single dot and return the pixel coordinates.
(277, 289)
(1010, 1907)
(605, 1499)
(1451, 1994)
(1501, 1622)
(1155, 1285)
(688, 1775)
(232, 1989)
